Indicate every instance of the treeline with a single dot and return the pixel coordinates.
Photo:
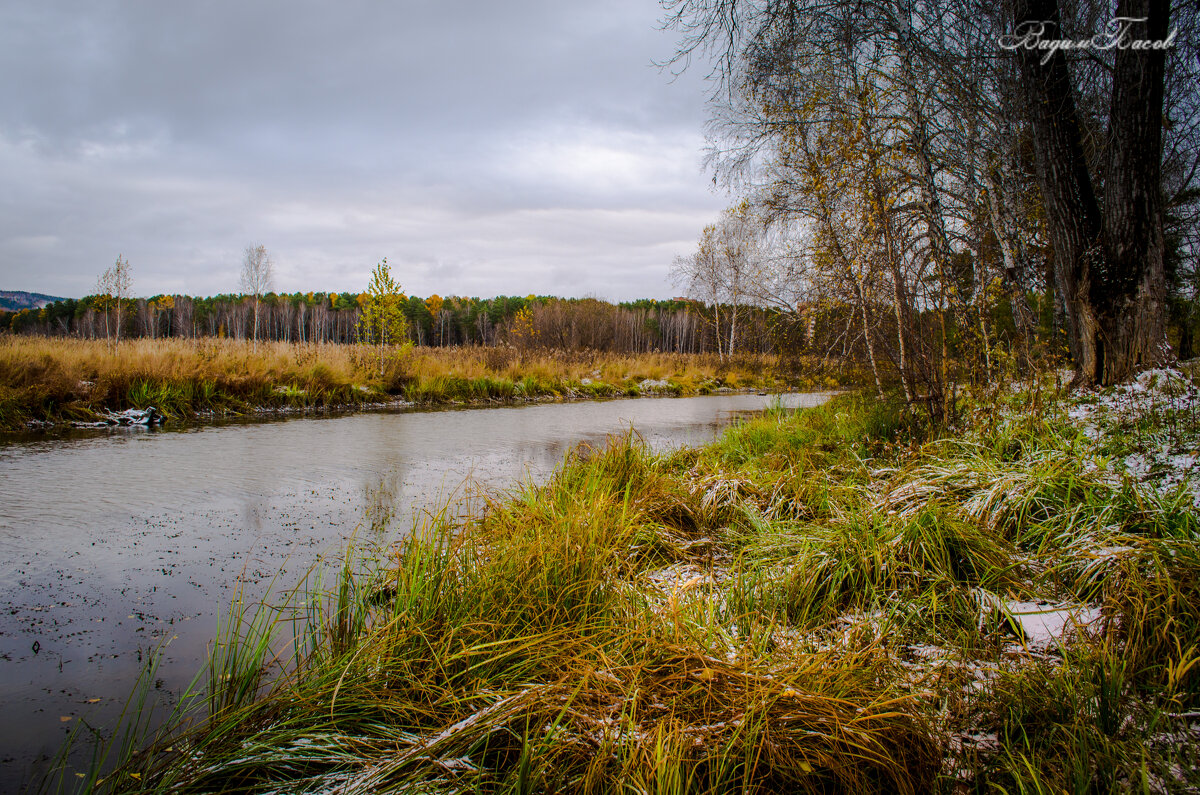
(677, 326)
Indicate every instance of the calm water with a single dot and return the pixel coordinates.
(112, 542)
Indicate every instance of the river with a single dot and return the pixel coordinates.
(115, 542)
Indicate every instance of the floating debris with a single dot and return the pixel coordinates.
(129, 417)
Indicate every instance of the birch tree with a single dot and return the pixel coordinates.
(739, 259)
(699, 274)
(723, 269)
(113, 288)
(258, 278)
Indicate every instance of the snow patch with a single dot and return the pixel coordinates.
(1045, 625)
(1040, 625)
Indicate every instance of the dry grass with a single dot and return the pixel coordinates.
(56, 379)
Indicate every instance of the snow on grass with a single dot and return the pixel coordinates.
(1150, 426)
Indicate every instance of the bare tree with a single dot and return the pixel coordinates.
(700, 275)
(725, 269)
(740, 260)
(113, 288)
(257, 278)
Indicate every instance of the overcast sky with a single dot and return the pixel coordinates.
(483, 147)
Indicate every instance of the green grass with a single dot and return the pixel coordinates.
(815, 603)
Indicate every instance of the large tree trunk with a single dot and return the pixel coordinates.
(1132, 300)
(1109, 267)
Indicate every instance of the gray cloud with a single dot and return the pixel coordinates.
(484, 148)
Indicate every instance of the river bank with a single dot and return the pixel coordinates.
(54, 381)
(840, 598)
(151, 541)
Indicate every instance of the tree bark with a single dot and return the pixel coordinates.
(1108, 265)
(1132, 298)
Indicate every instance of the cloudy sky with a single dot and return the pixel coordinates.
(483, 147)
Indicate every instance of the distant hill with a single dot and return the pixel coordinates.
(14, 300)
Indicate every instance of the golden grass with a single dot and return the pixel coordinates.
(55, 379)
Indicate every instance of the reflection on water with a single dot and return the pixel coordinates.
(113, 542)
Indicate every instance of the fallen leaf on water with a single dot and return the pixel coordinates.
(92, 701)
(65, 718)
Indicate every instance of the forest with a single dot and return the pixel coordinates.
(675, 326)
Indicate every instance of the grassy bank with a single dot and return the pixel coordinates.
(838, 599)
(55, 379)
